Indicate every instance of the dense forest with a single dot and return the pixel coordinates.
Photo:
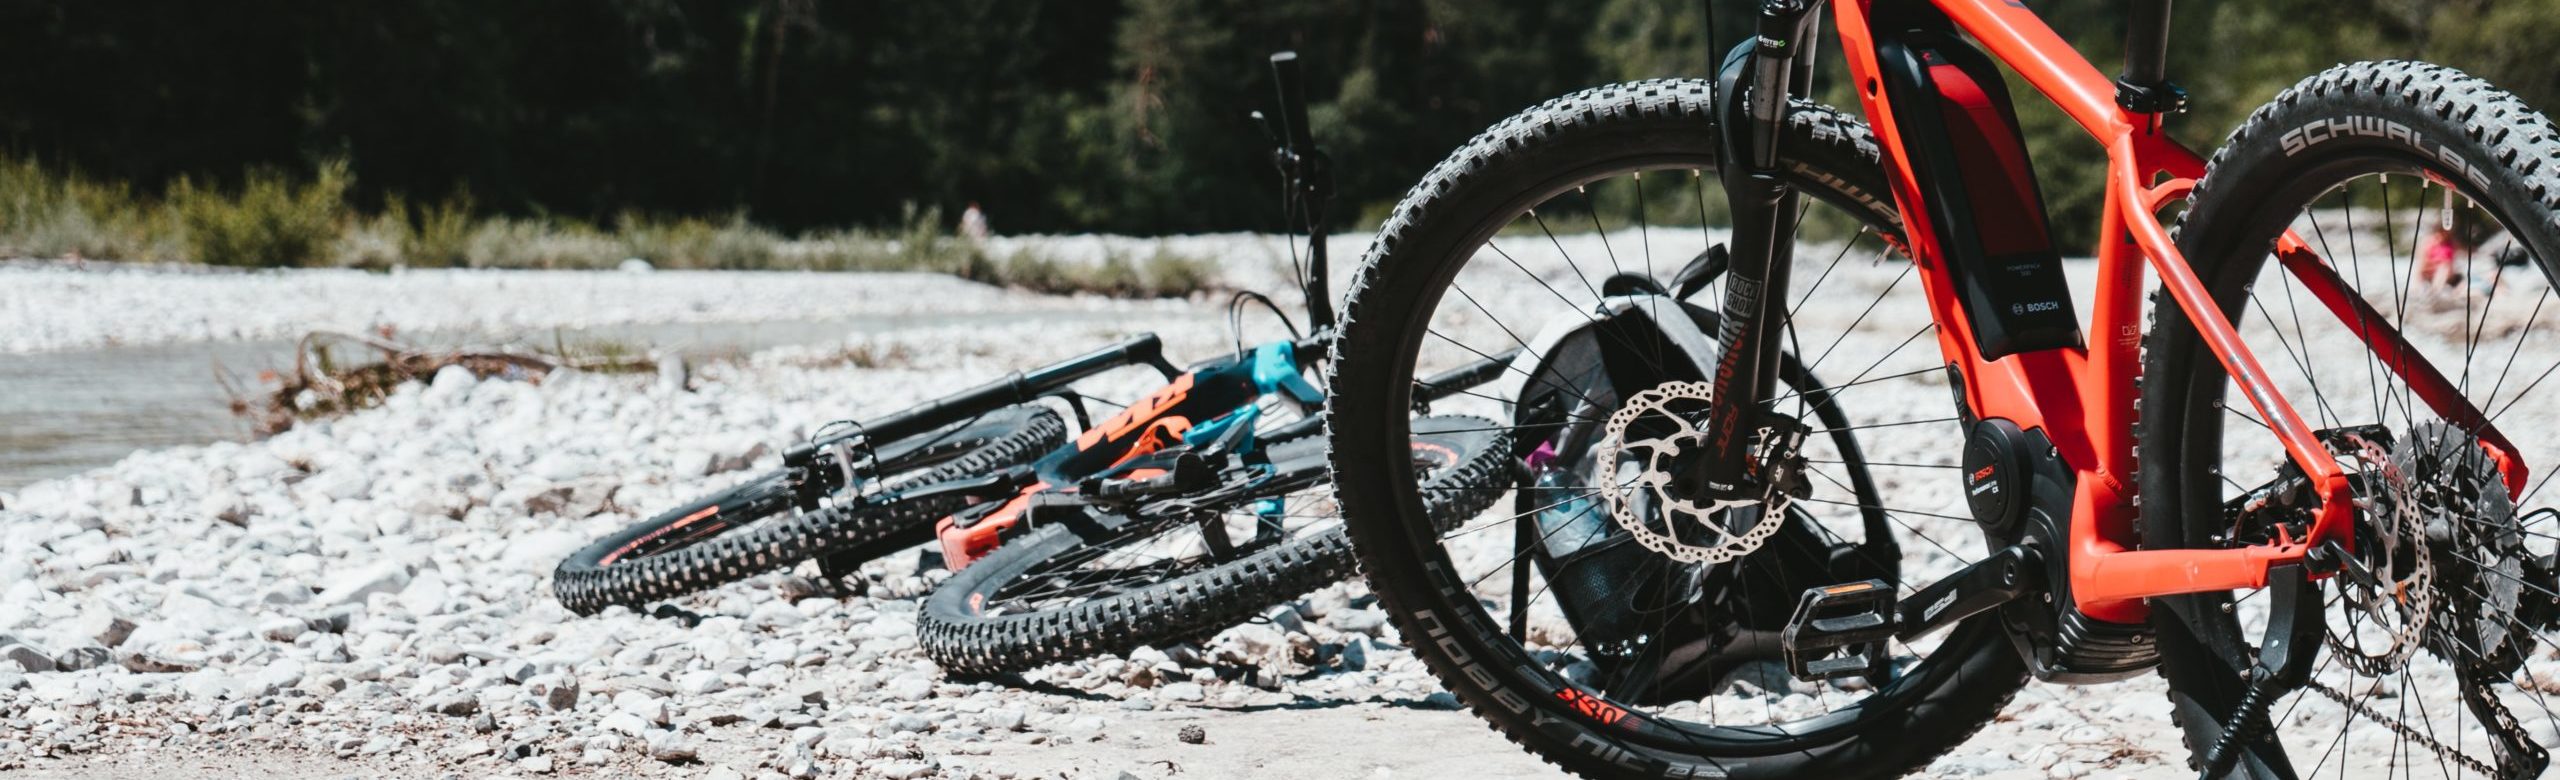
(1057, 115)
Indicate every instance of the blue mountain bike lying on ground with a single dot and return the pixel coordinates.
(1189, 510)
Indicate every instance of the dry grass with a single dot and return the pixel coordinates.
(276, 221)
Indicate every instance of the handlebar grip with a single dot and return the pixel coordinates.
(1293, 102)
(1144, 348)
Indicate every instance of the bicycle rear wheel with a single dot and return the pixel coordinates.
(2377, 166)
(753, 527)
(1063, 593)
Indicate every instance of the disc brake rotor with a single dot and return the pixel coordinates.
(2397, 584)
(1640, 470)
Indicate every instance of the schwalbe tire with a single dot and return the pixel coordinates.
(1188, 608)
(1829, 156)
(764, 542)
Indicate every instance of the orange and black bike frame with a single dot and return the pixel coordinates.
(2082, 395)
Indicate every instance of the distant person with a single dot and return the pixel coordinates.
(2437, 265)
(973, 224)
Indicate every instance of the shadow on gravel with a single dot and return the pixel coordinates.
(1296, 702)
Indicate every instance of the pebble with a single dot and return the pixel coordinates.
(283, 629)
(105, 628)
(902, 770)
(672, 747)
(73, 659)
(353, 586)
(644, 704)
(557, 692)
(909, 689)
(456, 706)
(26, 657)
(181, 656)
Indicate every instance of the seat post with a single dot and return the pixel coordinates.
(2144, 87)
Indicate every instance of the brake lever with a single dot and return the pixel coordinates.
(1262, 122)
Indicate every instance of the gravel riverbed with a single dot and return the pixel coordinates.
(369, 595)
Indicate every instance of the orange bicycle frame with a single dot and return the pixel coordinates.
(2083, 397)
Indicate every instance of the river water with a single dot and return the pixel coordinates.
(66, 412)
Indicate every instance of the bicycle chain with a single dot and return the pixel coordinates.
(2401, 506)
(2506, 723)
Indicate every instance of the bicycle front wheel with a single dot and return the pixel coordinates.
(753, 528)
(1063, 593)
(1596, 647)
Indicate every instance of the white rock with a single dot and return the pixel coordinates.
(776, 614)
(341, 484)
(282, 629)
(700, 682)
(451, 384)
(903, 770)
(426, 594)
(625, 723)
(672, 747)
(691, 463)
(352, 586)
(912, 688)
(648, 706)
(561, 467)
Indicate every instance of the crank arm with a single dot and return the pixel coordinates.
(1981, 587)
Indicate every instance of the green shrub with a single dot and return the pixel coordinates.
(543, 244)
(1031, 268)
(47, 213)
(1171, 275)
(374, 244)
(694, 243)
(271, 222)
(438, 236)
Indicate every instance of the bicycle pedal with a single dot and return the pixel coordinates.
(1840, 631)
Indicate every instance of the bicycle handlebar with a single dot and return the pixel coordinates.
(1309, 180)
(1293, 104)
(1018, 387)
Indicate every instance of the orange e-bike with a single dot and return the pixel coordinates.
(2301, 484)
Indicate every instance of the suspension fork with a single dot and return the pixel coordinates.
(1751, 108)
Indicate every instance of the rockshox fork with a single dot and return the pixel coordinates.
(1751, 108)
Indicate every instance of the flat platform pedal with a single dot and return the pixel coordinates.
(1841, 631)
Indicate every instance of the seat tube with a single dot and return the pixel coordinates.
(1751, 107)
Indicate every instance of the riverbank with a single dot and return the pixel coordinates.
(370, 594)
